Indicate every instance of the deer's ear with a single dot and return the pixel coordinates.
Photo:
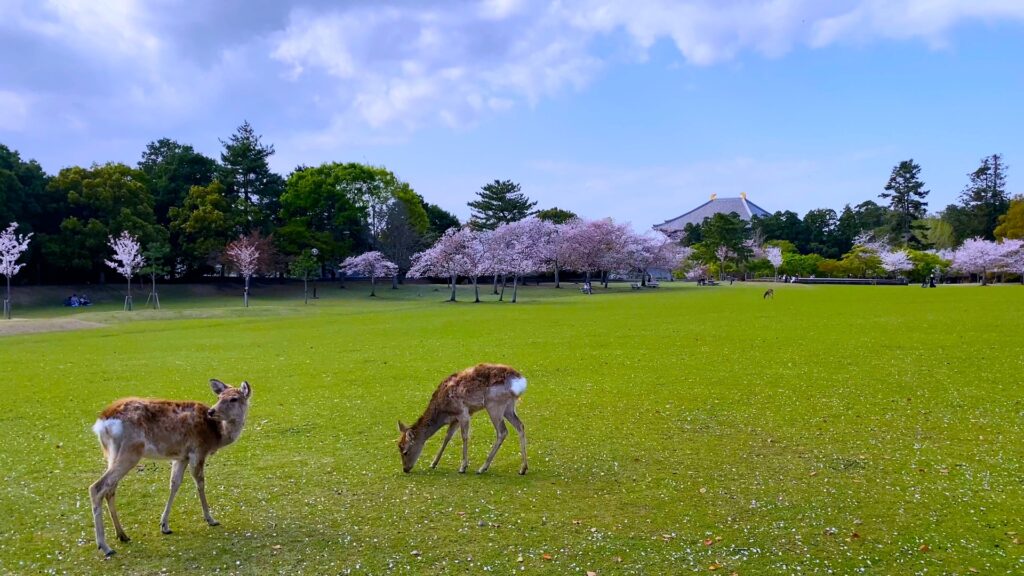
(402, 427)
(246, 389)
(217, 386)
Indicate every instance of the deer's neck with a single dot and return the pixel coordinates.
(427, 427)
(230, 430)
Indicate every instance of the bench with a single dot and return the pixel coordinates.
(653, 284)
(635, 285)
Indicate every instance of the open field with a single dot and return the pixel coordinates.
(871, 430)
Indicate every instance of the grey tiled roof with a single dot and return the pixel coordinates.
(745, 208)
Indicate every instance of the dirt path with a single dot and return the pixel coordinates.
(29, 326)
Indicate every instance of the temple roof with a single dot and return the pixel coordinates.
(740, 205)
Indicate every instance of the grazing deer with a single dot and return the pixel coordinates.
(187, 433)
(769, 293)
(491, 386)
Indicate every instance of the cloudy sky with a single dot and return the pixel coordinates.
(639, 110)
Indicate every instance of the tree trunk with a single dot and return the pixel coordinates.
(373, 286)
(557, 284)
(476, 289)
(495, 283)
(394, 282)
(128, 302)
(305, 289)
(501, 298)
(604, 278)
(515, 287)
(454, 280)
(7, 300)
(643, 277)
(245, 293)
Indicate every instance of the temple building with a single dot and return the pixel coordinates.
(740, 205)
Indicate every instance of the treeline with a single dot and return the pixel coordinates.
(185, 207)
(825, 242)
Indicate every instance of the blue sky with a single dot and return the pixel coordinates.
(634, 110)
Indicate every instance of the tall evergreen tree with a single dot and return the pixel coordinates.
(500, 202)
(171, 170)
(985, 199)
(246, 175)
(905, 192)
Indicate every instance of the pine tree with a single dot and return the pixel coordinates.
(246, 174)
(501, 202)
(985, 199)
(906, 194)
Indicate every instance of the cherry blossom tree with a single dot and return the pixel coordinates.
(895, 261)
(446, 258)
(774, 255)
(372, 264)
(722, 253)
(1013, 257)
(642, 252)
(517, 249)
(127, 260)
(244, 255)
(478, 257)
(978, 256)
(697, 272)
(11, 247)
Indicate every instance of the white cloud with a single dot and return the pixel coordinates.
(438, 64)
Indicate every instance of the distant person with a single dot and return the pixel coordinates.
(75, 302)
(83, 300)
(931, 280)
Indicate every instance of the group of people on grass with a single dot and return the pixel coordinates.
(75, 300)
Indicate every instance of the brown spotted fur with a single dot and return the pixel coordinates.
(187, 433)
(456, 399)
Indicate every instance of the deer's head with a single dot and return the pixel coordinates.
(409, 446)
(232, 403)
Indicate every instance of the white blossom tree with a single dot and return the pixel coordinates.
(1013, 257)
(11, 247)
(372, 264)
(127, 260)
(774, 255)
(978, 256)
(446, 259)
(244, 255)
(895, 261)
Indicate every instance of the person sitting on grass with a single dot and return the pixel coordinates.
(75, 302)
(83, 300)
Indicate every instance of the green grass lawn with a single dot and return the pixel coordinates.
(875, 430)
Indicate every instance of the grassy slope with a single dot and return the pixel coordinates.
(656, 420)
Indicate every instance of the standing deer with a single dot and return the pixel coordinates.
(187, 433)
(491, 386)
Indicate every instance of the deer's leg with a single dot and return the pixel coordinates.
(121, 464)
(464, 428)
(121, 535)
(199, 475)
(444, 444)
(513, 419)
(498, 419)
(177, 472)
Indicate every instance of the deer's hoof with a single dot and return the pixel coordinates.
(213, 522)
(462, 470)
(522, 471)
(110, 552)
(165, 530)
(123, 538)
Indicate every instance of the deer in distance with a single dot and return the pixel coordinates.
(493, 387)
(186, 433)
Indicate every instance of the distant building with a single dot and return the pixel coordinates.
(740, 205)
